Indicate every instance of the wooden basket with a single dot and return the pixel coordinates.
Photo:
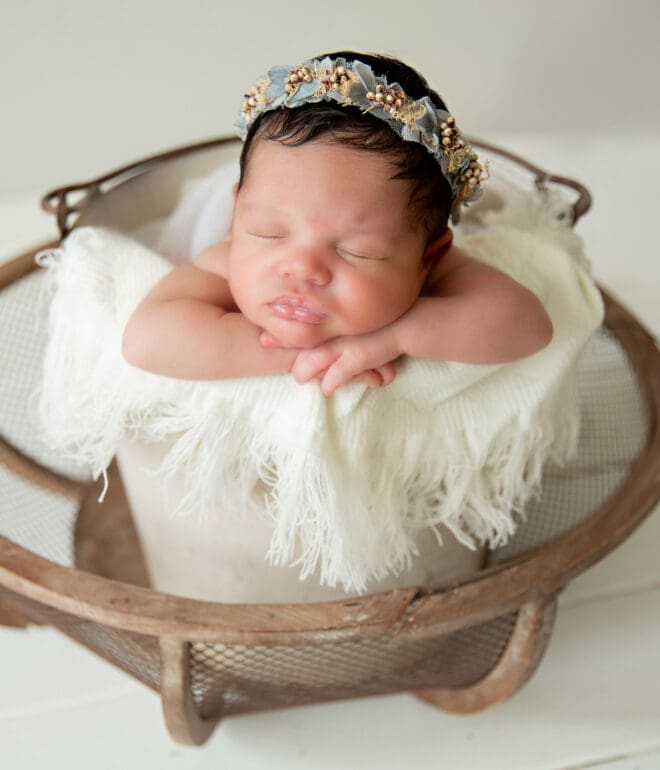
(69, 562)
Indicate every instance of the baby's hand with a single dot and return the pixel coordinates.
(378, 377)
(366, 358)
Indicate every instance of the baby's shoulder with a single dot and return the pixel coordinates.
(451, 261)
(214, 259)
(458, 272)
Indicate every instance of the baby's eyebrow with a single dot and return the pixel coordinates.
(363, 221)
(256, 206)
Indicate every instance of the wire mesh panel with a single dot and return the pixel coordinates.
(31, 515)
(230, 679)
(137, 654)
(615, 426)
(23, 310)
(37, 519)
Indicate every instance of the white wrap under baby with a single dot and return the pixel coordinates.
(241, 487)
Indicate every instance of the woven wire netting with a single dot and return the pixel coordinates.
(36, 519)
(137, 654)
(41, 521)
(231, 679)
(615, 427)
(23, 311)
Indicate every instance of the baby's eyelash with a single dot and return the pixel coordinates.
(264, 235)
(360, 256)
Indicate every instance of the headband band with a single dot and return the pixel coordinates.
(354, 83)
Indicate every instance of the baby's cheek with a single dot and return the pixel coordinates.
(242, 291)
(381, 304)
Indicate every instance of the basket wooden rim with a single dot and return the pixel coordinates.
(488, 594)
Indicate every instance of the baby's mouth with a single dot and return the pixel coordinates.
(293, 309)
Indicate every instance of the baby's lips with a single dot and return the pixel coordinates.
(295, 309)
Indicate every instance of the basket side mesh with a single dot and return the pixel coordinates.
(615, 428)
(31, 516)
(231, 679)
(36, 519)
(136, 654)
(23, 311)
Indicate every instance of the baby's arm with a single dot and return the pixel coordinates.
(472, 313)
(186, 328)
(475, 314)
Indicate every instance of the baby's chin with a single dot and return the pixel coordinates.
(293, 334)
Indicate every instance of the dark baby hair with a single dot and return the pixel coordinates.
(430, 197)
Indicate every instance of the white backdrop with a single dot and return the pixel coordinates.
(86, 85)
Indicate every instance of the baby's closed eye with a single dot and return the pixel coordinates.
(359, 254)
(267, 235)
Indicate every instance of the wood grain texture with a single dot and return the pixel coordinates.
(181, 718)
(520, 659)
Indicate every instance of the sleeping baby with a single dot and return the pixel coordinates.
(339, 258)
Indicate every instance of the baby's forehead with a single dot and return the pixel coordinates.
(266, 151)
(323, 161)
(357, 187)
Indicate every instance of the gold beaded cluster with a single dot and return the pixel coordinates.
(475, 174)
(330, 78)
(457, 150)
(452, 144)
(334, 79)
(389, 99)
(300, 74)
(451, 139)
(255, 97)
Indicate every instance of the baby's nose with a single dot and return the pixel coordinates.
(306, 265)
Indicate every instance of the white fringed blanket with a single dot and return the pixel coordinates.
(352, 478)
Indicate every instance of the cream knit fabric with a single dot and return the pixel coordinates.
(352, 478)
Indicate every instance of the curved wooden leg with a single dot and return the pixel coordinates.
(11, 617)
(519, 660)
(181, 717)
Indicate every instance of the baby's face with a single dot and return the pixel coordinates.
(322, 243)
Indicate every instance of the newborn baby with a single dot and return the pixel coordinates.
(340, 258)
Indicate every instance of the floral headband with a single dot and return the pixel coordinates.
(354, 83)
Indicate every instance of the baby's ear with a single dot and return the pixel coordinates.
(234, 191)
(437, 249)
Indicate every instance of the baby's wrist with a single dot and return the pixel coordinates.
(290, 356)
(399, 336)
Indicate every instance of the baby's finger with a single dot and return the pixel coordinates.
(371, 378)
(339, 375)
(378, 377)
(268, 341)
(311, 363)
(387, 373)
